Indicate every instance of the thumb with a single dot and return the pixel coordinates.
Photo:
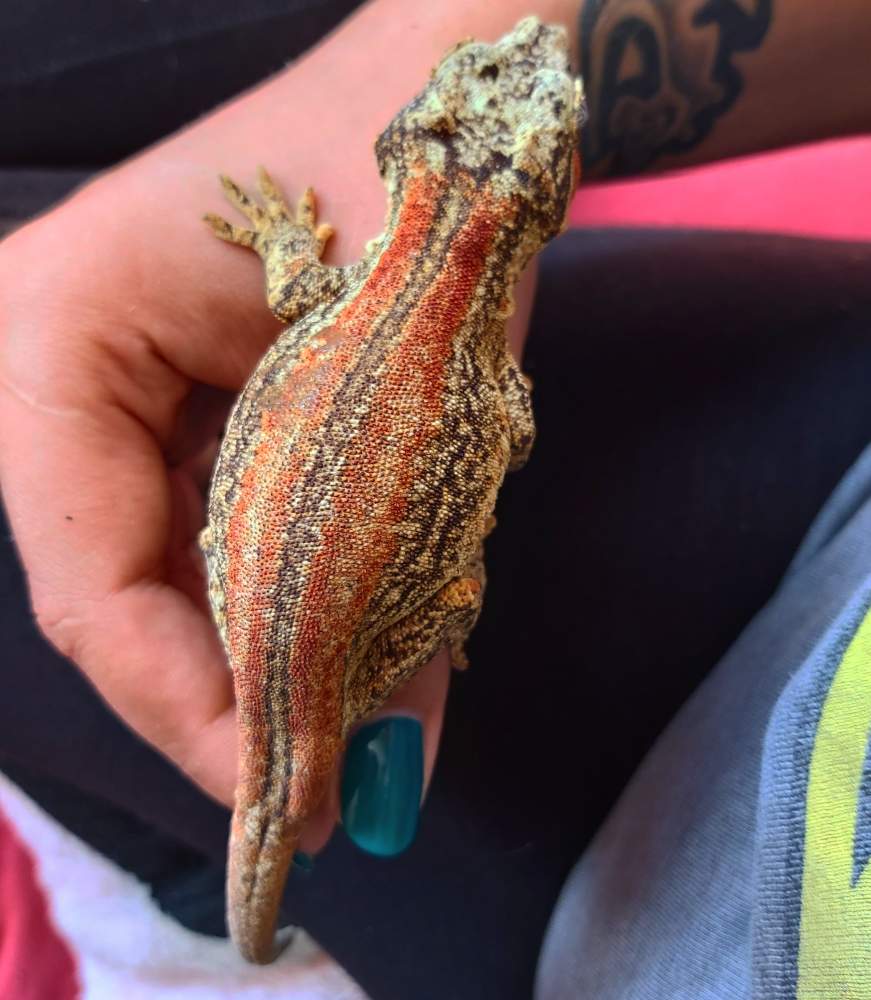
(390, 760)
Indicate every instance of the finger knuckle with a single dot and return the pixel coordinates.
(59, 622)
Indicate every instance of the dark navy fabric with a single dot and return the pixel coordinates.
(86, 84)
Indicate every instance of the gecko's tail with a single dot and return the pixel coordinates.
(289, 742)
(262, 844)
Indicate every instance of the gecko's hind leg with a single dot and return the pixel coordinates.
(289, 243)
(517, 393)
(399, 651)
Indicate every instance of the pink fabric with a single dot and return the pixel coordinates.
(35, 962)
(818, 190)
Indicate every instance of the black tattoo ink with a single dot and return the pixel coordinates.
(659, 73)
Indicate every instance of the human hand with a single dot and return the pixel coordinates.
(125, 331)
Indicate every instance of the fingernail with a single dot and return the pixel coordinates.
(304, 862)
(381, 785)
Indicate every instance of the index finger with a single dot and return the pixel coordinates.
(90, 502)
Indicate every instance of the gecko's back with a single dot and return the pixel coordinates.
(361, 464)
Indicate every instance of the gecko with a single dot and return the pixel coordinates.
(359, 468)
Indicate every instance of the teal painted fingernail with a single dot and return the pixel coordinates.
(381, 785)
(305, 862)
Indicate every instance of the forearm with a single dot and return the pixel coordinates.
(672, 83)
(669, 83)
(804, 76)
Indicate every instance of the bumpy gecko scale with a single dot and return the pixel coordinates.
(361, 462)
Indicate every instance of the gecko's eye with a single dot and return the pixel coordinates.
(490, 72)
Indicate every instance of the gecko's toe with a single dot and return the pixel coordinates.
(228, 232)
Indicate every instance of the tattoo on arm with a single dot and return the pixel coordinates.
(659, 73)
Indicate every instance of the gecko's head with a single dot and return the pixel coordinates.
(508, 114)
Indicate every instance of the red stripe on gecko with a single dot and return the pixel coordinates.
(302, 408)
(372, 496)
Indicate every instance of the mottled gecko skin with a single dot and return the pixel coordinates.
(361, 463)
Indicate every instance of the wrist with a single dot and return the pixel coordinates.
(314, 124)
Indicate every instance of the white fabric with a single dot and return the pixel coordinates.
(125, 947)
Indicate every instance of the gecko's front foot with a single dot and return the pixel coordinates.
(273, 221)
(289, 243)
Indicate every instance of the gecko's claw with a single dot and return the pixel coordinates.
(305, 209)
